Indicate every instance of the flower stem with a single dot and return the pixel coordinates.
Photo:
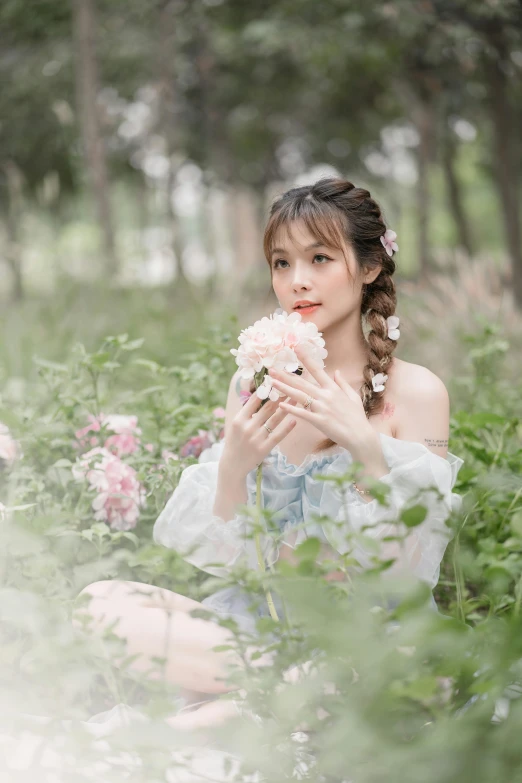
(259, 506)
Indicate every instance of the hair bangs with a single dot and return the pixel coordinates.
(323, 221)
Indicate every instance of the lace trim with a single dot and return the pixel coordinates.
(316, 458)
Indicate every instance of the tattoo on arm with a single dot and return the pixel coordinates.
(238, 386)
(435, 444)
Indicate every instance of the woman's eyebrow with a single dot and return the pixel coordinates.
(310, 247)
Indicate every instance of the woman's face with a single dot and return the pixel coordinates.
(304, 269)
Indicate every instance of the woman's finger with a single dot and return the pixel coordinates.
(265, 411)
(315, 369)
(281, 430)
(280, 414)
(300, 413)
(292, 382)
(250, 407)
(300, 392)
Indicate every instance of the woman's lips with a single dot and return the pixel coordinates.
(307, 310)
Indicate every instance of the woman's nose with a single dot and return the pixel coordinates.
(301, 277)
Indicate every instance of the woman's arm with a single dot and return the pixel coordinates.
(231, 490)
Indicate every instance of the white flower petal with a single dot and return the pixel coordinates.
(262, 392)
(291, 366)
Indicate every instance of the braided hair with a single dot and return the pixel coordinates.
(338, 213)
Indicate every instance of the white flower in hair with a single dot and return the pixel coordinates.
(378, 381)
(388, 241)
(393, 324)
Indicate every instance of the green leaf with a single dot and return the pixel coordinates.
(516, 523)
(309, 549)
(62, 463)
(414, 516)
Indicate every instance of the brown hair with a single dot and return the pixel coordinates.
(338, 213)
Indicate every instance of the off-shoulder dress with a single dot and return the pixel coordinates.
(297, 497)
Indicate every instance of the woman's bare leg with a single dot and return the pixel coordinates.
(155, 623)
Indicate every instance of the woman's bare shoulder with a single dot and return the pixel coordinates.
(416, 394)
(406, 379)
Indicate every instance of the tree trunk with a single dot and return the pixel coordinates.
(455, 194)
(14, 212)
(87, 87)
(170, 12)
(424, 122)
(503, 122)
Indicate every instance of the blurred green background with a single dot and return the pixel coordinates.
(142, 143)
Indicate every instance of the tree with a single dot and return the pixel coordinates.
(87, 88)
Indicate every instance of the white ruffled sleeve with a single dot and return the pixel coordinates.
(188, 524)
(417, 476)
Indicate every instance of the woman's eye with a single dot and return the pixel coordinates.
(282, 261)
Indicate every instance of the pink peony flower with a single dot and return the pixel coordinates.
(270, 343)
(149, 447)
(122, 444)
(93, 426)
(219, 413)
(9, 449)
(124, 441)
(120, 495)
(194, 446)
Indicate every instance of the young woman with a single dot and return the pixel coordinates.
(331, 259)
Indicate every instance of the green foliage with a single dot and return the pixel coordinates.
(408, 681)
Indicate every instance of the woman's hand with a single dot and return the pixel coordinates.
(248, 442)
(337, 410)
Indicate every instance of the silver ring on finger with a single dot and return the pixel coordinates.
(308, 403)
(267, 428)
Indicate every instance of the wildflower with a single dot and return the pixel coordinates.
(119, 494)
(378, 381)
(393, 327)
(9, 449)
(125, 439)
(388, 241)
(195, 445)
(266, 390)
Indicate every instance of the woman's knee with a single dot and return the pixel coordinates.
(100, 604)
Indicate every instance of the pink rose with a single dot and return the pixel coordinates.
(122, 444)
(125, 440)
(120, 495)
(9, 449)
(194, 446)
